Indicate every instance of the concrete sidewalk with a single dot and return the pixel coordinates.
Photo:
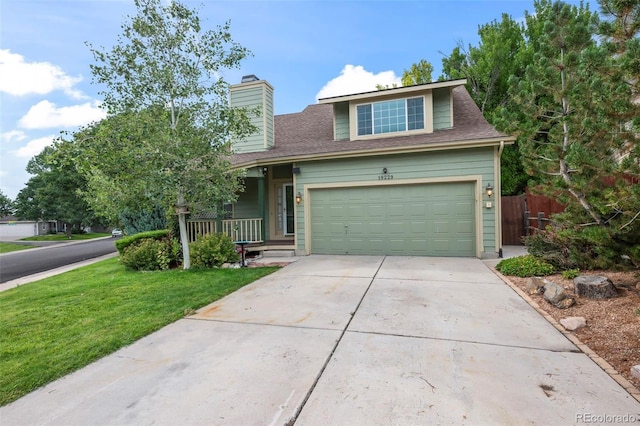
(345, 340)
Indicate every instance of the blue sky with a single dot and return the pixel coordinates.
(305, 49)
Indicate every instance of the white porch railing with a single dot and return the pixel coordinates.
(237, 229)
(243, 229)
(197, 228)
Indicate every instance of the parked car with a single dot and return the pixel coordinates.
(117, 233)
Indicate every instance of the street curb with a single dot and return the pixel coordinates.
(601, 362)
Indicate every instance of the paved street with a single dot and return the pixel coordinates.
(23, 263)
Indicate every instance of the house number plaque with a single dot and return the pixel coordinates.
(385, 175)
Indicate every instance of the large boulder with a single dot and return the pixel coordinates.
(535, 285)
(594, 287)
(555, 294)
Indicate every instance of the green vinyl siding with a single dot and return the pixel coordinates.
(247, 205)
(268, 119)
(255, 96)
(429, 165)
(341, 120)
(442, 109)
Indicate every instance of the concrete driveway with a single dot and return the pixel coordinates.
(345, 340)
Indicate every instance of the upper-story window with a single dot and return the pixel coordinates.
(390, 116)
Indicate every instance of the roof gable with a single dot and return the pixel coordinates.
(309, 134)
(393, 92)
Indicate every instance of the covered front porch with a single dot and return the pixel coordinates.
(248, 230)
(263, 215)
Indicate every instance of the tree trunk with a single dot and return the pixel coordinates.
(184, 241)
(184, 238)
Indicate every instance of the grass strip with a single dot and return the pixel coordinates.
(55, 326)
(9, 247)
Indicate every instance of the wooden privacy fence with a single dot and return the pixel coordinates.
(513, 219)
(524, 214)
(249, 230)
(539, 209)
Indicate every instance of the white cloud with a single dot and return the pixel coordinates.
(34, 147)
(13, 136)
(20, 78)
(355, 79)
(45, 115)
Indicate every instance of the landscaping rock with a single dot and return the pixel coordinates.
(594, 287)
(554, 293)
(573, 323)
(535, 285)
(635, 371)
(565, 303)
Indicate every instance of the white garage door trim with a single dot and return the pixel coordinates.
(476, 179)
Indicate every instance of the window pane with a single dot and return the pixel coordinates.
(415, 113)
(364, 119)
(389, 116)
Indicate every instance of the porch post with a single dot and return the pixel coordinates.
(219, 218)
(261, 206)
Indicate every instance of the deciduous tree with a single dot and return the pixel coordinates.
(419, 73)
(7, 206)
(499, 55)
(54, 192)
(168, 134)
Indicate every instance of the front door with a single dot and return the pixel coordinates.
(284, 225)
(288, 209)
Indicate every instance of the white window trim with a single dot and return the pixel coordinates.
(427, 99)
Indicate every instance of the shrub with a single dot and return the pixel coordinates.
(134, 220)
(570, 273)
(574, 240)
(525, 266)
(151, 255)
(589, 247)
(213, 250)
(125, 242)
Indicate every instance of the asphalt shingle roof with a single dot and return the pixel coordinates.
(310, 132)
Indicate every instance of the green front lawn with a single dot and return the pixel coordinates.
(63, 237)
(9, 247)
(60, 324)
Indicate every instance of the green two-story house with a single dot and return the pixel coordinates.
(404, 171)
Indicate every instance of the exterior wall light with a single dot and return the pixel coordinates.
(298, 198)
(489, 190)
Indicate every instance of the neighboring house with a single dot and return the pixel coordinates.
(402, 171)
(12, 228)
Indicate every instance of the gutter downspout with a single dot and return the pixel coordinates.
(499, 200)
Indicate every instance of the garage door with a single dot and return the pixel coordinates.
(419, 220)
(18, 230)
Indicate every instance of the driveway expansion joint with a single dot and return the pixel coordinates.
(335, 347)
(443, 339)
(192, 318)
